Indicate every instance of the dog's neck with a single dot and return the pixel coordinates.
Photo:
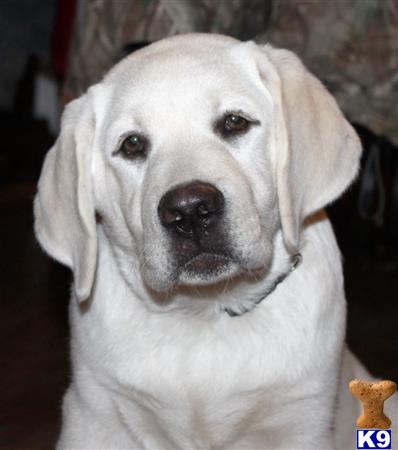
(295, 261)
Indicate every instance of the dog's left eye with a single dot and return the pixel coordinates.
(133, 146)
(233, 124)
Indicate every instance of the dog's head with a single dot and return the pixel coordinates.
(194, 152)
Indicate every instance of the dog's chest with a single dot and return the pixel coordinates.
(195, 416)
(197, 391)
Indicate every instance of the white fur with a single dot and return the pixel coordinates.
(157, 363)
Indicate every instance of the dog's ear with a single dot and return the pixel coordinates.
(317, 150)
(63, 208)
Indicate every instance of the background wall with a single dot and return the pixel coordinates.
(25, 29)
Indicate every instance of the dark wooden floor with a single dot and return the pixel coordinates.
(33, 330)
(34, 333)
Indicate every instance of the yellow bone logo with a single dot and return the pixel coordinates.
(373, 396)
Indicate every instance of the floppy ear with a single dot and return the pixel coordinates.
(63, 207)
(317, 149)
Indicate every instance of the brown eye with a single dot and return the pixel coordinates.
(133, 146)
(233, 123)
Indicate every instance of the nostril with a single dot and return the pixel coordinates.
(177, 216)
(180, 223)
(169, 217)
(202, 210)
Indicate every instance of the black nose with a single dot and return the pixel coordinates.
(191, 209)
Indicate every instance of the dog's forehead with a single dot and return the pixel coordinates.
(179, 70)
(187, 51)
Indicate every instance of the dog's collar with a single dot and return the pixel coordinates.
(294, 263)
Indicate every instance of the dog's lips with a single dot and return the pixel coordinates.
(206, 264)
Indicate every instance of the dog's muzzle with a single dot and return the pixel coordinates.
(193, 215)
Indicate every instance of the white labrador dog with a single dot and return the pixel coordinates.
(183, 191)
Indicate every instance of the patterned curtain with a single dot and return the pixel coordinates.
(351, 45)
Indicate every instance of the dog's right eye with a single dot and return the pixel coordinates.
(133, 146)
(234, 123)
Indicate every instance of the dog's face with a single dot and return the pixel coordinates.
(194, 152)
(184, 176)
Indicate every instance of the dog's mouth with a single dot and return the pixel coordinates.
(207, 268)
(206, 264)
